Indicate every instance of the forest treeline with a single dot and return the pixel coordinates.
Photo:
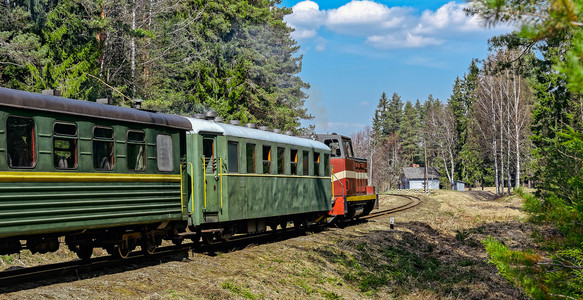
(179, 56)
(515, 117)
(481, 135)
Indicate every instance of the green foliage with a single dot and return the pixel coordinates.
(519, 267)
(556, 75)
(184, 57)
(241, 291)
(409, 135)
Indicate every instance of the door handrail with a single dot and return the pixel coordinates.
(204, 179)
(221, 179)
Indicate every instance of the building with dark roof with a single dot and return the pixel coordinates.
(413, 178)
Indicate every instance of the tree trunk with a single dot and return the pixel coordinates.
(133, 49)
(508, 152)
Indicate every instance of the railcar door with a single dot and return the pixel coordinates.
(212, 170)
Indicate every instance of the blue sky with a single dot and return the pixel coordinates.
(354, 50)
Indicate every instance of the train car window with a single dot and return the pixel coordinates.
(233, 157)
(103, 148)
(250, 154)
(316, 164)
(20, 142)
(136, 150)
(293, 161)
(305, 163)
(65, 146)
(280, 160)
(348, 148)
(326, 164)
(208, 151)
(266, 159)
(334, 146)
(164, 151)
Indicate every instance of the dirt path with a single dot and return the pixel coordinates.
(434, 252)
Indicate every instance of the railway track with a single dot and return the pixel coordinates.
(138, 259)
(15, 279)
(9, 278)
(413, 201)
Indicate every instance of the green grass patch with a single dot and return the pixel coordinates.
(401, 266)
(241, 291)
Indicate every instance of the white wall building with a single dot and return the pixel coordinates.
(413, 178)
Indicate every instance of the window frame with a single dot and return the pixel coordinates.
(253, 162)
(316, 163)
(333, 152)
(306, 163)
(74, 138)
(229, 157)
(280, 161)
(134, 143)
(327, 164)
(170, 156)
(293, 162)
(267, 161)
(103, 140)
(33, 148)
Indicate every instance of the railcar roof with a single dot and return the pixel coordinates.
(34, 101)
(204, 126)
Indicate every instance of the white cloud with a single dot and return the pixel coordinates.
(450, 17)
(382, 26)
(408, 40)
(358, 12)
(306, 19)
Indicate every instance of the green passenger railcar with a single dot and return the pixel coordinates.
(243, 180)
(74, 168)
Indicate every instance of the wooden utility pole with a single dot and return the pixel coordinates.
(426, 177)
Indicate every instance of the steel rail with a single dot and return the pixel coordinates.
(9, 278)
(413, 201)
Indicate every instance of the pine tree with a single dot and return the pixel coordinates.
(394, 115)
(408, 133)
(380, 116)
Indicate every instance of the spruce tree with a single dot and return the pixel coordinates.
(394, 115)
(380, 116)
(408, 133)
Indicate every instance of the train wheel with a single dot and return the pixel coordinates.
(121, 251)
(207, 238)
(226, 236)
(283, 225)
(149, 249)
(300, 223)
(84, 251)
(272, 225)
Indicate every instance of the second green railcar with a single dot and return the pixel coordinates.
(243, 180)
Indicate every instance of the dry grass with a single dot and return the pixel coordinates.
(434, 252)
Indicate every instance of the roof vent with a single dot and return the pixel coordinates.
(102, 100)
(210, 115)
(51, 92)
(235, 122)
(264, 128)
(138, 103)
(250, 125)
(277, 130)
(199, 116)
(289, 132)
(219, 119)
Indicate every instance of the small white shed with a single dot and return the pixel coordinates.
(414, 177)
(459, 186)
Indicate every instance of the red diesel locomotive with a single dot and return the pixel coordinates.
(353, 197)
